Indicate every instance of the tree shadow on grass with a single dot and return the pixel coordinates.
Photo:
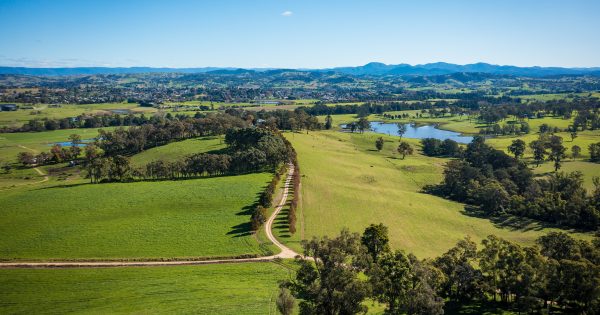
(281, 223)
(505, 221)
(512, 222)
(64, 186)
(475, 307)
(240, 230)
(247, 210)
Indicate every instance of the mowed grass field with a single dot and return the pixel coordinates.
(249, 288)
(205, 217)
(347, 183)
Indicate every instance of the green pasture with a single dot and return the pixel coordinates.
(249, 288)
(206, 217)
(178, 150)
(347, 183)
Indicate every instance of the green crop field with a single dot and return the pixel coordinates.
(210, 289)
(188, 218)
(346, 183)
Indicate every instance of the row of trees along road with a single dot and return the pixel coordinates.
(559, 273)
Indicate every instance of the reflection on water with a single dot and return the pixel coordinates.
(419, 132)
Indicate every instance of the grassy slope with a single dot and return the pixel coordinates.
(177, 150)
(210, 289)
(348, 184)
(188, 218)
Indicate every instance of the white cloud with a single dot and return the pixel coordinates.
(287, 13)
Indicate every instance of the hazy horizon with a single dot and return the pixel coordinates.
(301, 68)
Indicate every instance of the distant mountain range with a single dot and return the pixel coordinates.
(376, 68)
(373, 68)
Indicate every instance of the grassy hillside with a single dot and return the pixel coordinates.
(211, 289)
(177, 150)
(347, 183)
(188, 218)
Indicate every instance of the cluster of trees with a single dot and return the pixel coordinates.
(559, 272)
(101, 169)
(295, 120)
(587, 118)
(320, 108)
(360, 125)
(500, 184)
(57, 154)
(93, 121)
(138, 138)
(436, 147)
(397, 116)
(249, 150)
(135, 139)
(595, 152)
(547, 146)
(465, 103)
(545, 128)
(507, 129)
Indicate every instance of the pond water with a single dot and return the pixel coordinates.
(419, 132)
(83, 143)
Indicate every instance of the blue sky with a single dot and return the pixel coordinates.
(297, 33)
